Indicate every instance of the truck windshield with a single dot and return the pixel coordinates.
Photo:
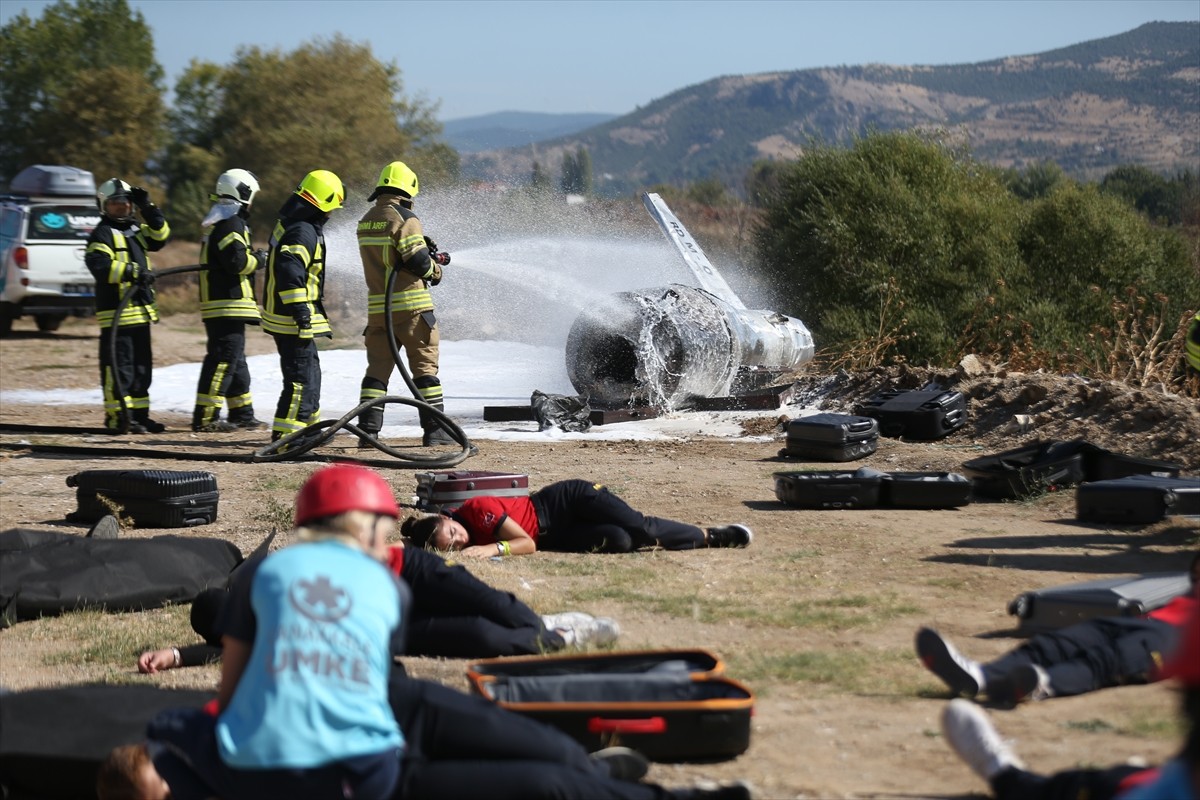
(62, 222)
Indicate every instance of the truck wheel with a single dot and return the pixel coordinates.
(49, 322)
(8, 313)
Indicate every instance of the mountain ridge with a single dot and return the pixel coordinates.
(1129, 98)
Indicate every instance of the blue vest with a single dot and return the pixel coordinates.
(315, 688)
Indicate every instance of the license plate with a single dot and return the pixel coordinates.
(83, 289)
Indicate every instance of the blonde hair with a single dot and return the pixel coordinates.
(347, 527)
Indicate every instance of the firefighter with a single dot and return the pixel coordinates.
(227, 306)
(117, 256)
(390, 239)
(293, 310)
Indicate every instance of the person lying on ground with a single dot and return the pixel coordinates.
(572, 516)
(299, 688)
(456, 746)
(453, 615)
(1084, 657)
(970, 733)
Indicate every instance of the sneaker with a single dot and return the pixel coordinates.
(1027, 682)
(580, 629)
(107, 527)
(216, 426)
(941, 658)
(729, 536)
(972, 736)
(623, 764)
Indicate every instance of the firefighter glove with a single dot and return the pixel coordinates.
(144, 277)
(435, 275)
(431, 244)
(261, 257)
(303, 322)
(139, 197)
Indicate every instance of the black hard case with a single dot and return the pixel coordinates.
(444, 490)
(916, 414)
(672, 705)
(1137, 499)
(152, 498)
(1026, 470)
(829, 489)
(831, 437)
(924, 490)
(1059, 606)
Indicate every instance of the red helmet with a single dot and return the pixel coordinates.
(339, 488)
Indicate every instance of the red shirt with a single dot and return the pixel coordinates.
(1175, 612)
(483, 516)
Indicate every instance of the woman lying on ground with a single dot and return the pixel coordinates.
(572, 516)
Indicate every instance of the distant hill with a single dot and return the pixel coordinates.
(514, 129)
(1131, 98)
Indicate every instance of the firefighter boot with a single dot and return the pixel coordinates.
(370, 422)
(244, 419)
(142, 418)
(207, 420)
(434, 434)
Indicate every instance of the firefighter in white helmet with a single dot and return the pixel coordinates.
(117, 256)
(227, 306)
(390, 240)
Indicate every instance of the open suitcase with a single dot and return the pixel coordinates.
(1058, 606)
(1027, 470)
(670, 705)
(450, 489)
(829, 489)
(831, 437)
(1137, 499)
(916, 413)
(152, 498)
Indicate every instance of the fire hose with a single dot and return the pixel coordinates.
(296, 445)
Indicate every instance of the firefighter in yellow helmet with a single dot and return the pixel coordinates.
(117, 255)
(293, 309)
(390, 240)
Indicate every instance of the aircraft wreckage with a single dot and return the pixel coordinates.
(670, 346)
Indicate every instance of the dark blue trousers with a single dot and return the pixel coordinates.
(580, 517)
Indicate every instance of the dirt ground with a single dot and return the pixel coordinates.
(817, 617)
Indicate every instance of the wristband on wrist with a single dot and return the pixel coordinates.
(178, 658)
(504, 548)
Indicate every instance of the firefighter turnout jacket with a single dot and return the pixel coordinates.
(117, 253)
(225, 282)
(390, 239)
(295, 283)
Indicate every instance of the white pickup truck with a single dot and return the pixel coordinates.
(45, 221)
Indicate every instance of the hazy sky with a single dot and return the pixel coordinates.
(563, 56)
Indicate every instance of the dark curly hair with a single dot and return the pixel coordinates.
(420, 530)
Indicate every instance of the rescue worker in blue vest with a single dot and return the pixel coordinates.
(390, 240)
(117, 256)
(293, 310)
(227, 306)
